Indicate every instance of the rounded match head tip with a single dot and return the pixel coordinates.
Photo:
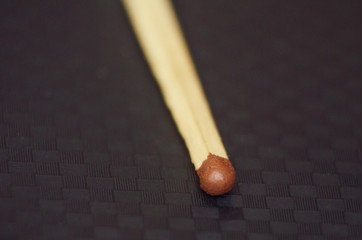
(217, 175)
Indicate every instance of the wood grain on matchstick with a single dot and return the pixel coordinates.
(166, 51)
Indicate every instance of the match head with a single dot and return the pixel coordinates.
(217, 175)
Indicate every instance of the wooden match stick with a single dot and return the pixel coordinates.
(161, 39)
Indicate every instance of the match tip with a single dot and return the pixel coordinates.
(217, 175)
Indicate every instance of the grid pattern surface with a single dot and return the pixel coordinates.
(88, 149)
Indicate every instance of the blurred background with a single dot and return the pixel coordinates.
(88, 149)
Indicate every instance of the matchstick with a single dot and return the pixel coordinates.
(157, 29)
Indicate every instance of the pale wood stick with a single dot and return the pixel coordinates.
(161, 39)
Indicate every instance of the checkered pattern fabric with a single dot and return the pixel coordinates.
(88, 149)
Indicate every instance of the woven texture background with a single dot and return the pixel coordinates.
(88, 149)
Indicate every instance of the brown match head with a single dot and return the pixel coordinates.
(217, 175)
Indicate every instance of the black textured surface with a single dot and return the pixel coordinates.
(89, 151)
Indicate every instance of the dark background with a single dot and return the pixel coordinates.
(88, 149)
